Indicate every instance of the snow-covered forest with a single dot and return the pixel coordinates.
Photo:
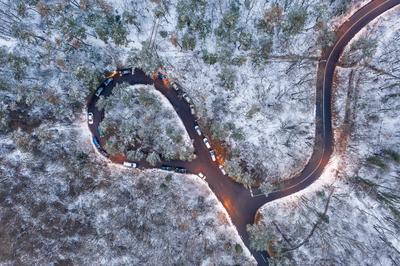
(59, 205)
(250, 67)
(59, 202)
(141, 124)
(354, 218)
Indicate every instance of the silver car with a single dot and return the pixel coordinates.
(222, 169)
(107, 82)
(175, 86)
(186, 97)
(126, 72)
(130, 165)
(205, 140)
(213, 157)
(192, 111)
(198, 131)
(202, 176)
(99, 91)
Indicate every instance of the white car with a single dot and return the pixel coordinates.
(186, 97)
(90, 118)
(130, 165)
(192, 111)
(99, 91)
(202, 176)
(126, 72)
(205, 140)
(175, 87)
(198, 131)
(222, 169)
(107, 82)
(212, 154)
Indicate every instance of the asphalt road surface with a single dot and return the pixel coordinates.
(238, 200)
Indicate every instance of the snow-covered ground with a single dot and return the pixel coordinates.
(355, 214)
(86, 212)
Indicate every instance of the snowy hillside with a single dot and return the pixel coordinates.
(354, 218)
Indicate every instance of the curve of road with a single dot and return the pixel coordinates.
(239, 201)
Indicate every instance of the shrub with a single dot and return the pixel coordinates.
(227, 78)
(238, 248)
(295, 21)
(395, 156)
(375, 160)
(188, 42)
(209, 58)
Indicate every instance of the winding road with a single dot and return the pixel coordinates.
(239, 201)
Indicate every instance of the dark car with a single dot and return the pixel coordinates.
(161, 76)
(104, 153)
(166, 168)
(180, 170)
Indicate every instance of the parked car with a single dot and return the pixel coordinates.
(90, 118)
(166, 168)
(222, 169)
(175, 87)
(180, 170)
(107, 82)
(126, 72)
(205, 140)
(161, 76)
(186, 97)
(198, 131)
(99, 91)
(192, 111)
(104, 153)
(96, 143)
(130, 165)
(201, 175)
(212, 154)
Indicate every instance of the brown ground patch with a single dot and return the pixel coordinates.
(118, 158)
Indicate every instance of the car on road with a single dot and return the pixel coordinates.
(198, 131)
(192, 111)
(108, 81)
(166, 168)
(99, 91)
(130, 165)
(212, 154)
(96, 143)
(90, 118)
(175, 87)
(126, 72)
(222, 169)
(104, 153)
(186, 97)
(180, 170)
(201, 175)
(205, 140)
